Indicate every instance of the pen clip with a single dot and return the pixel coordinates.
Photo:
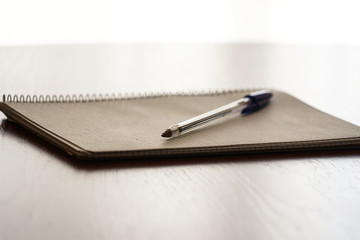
(258, 100)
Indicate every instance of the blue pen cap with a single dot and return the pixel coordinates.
(258, 100)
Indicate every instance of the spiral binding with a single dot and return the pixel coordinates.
(109, 97)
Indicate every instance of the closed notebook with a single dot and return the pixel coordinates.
(131, 127)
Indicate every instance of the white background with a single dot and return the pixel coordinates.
(29, 22)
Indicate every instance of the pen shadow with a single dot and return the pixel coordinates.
(14, 130)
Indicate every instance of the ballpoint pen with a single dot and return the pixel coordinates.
(249, 103)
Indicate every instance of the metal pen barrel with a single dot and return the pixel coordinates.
(194, 122)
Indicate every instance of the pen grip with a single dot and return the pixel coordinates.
(258, 100)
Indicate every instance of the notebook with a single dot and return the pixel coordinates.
(130, 127)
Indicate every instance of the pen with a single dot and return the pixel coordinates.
(249, 103)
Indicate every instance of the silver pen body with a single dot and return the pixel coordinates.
(192, 123)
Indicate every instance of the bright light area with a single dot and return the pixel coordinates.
(110, 21)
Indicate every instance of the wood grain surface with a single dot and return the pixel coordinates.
(45, 194)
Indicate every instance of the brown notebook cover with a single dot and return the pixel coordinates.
(128, 128)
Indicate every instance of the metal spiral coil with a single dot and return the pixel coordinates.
(109, 97)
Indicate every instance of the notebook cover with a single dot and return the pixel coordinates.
(129, 128)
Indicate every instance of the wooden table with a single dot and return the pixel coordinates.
(45, 194)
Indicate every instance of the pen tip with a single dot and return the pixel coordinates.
(167, 133)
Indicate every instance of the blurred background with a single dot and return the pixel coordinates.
(24, 22)
(307, 48)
